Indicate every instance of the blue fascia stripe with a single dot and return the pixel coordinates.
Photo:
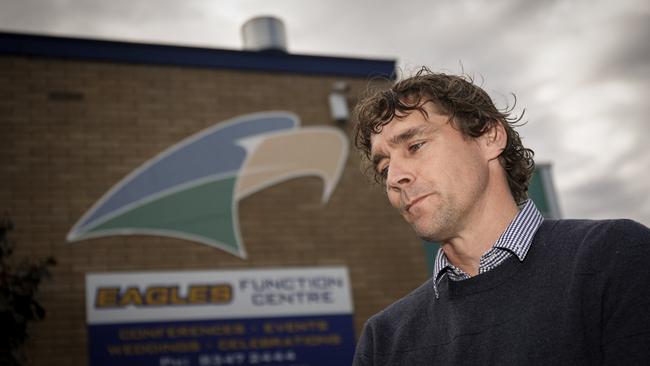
(113, 51)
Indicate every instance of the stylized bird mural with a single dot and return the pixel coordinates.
(191, 190)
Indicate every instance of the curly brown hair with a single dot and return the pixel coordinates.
(470, 110)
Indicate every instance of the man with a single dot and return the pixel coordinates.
(508, 288)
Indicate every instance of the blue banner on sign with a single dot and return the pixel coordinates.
(280, 341)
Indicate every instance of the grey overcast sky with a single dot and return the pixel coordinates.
(581, 68)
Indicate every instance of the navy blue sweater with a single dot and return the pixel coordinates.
(581, 297)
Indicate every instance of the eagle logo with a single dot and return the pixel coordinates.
(191, 190)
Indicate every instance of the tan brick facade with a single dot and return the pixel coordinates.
(71, 129)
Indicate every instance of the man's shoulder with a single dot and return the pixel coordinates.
(585, 231)
(405, 310)
(398, 328)
(595, 242)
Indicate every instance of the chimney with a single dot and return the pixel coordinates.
(264, 33)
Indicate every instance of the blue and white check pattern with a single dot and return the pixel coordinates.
(515, 240)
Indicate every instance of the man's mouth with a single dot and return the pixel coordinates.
(410, 204)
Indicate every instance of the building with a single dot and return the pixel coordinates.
(78, 115)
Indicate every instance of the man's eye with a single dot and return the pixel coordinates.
(383, 173)
(415, 147)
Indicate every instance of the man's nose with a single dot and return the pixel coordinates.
(400, 175)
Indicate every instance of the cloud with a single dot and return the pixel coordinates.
(581, 68)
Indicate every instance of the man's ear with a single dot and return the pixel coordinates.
(494, 140)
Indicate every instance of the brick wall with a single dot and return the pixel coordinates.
(70, 130)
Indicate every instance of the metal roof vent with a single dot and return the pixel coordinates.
(264, 33)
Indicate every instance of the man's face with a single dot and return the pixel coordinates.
(434, 175)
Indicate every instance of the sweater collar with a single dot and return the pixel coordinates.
(516, 239)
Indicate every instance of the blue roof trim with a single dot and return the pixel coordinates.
(86, 49)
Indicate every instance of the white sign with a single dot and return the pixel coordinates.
(187, 295)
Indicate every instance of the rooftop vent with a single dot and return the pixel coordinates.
(264, 33)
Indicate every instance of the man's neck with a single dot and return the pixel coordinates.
(478, 236)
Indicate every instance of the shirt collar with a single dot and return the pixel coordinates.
(516, 238)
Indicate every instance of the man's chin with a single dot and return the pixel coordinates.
(428, 235)
(433, 233)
